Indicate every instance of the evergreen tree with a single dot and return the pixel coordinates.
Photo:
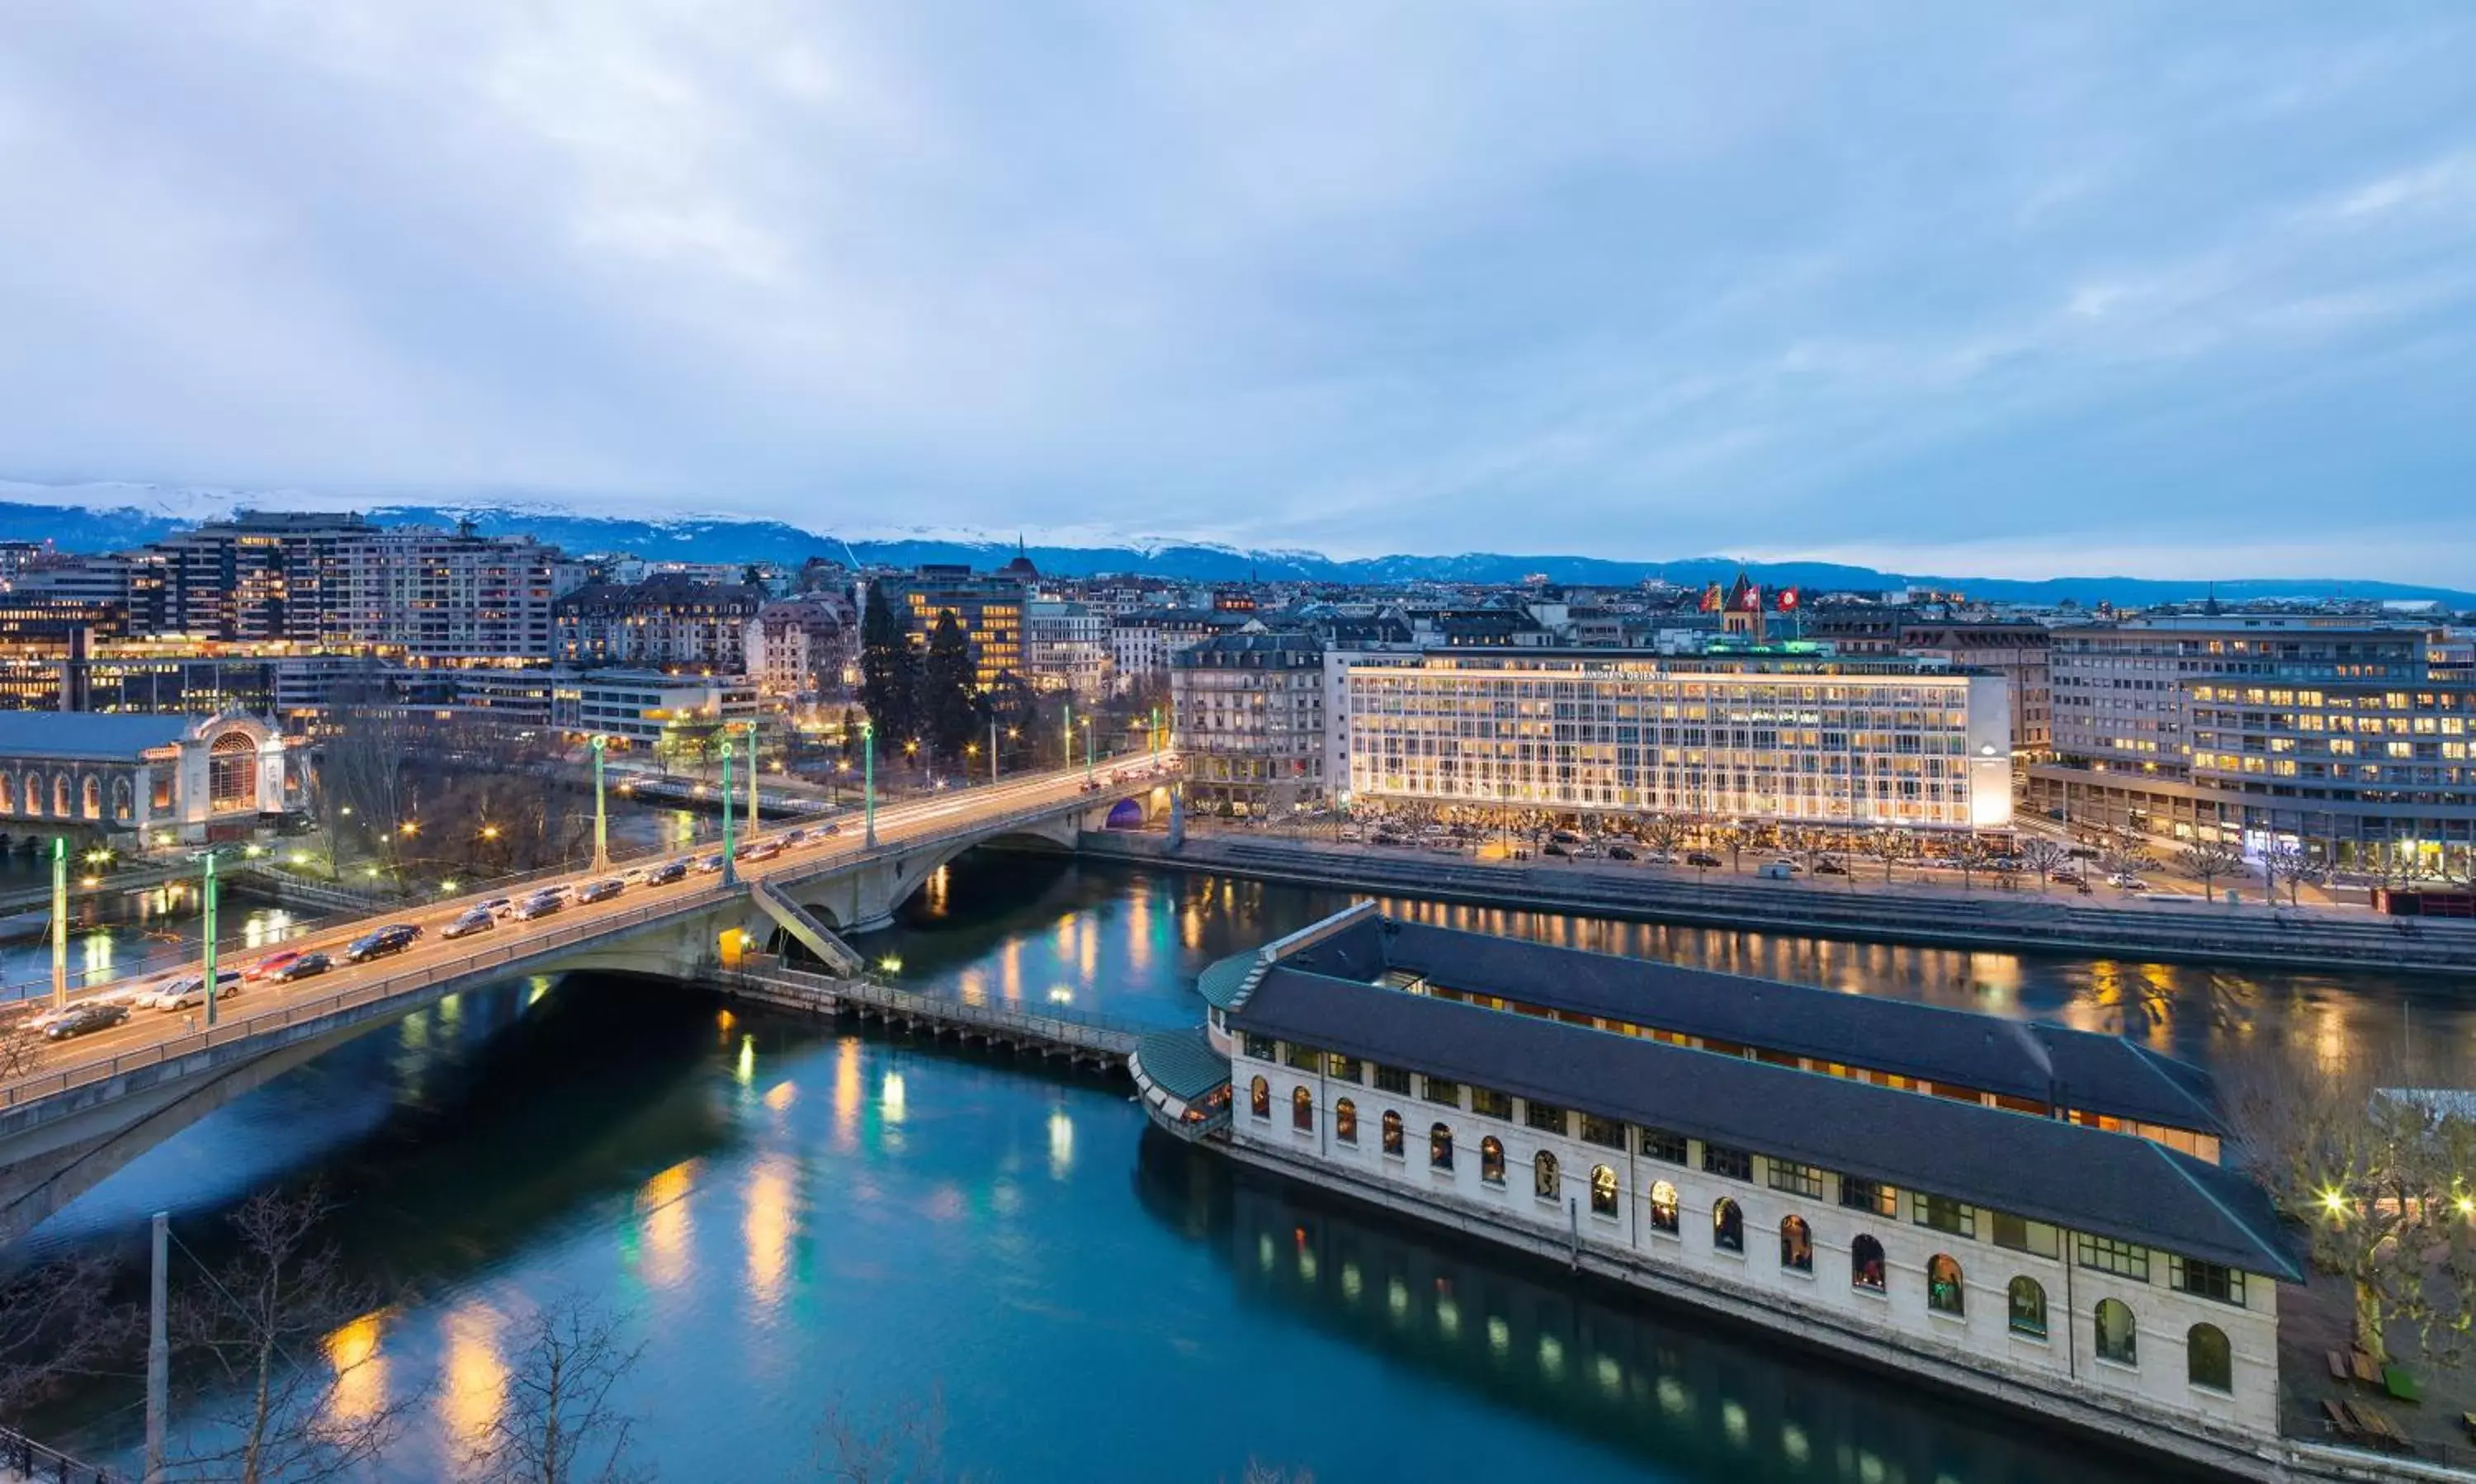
(949, 710)
(888, 673)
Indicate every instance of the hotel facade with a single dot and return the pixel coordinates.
(1782, 737)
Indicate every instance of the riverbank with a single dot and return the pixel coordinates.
(2182, 931)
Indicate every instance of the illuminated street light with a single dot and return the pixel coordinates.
(489, 831)
(890, 964)
(448, 888)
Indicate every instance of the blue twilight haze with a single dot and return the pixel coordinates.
(2168, 289)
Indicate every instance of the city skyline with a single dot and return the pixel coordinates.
(1942, 294)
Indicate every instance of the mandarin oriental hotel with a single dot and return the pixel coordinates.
(1785, 735)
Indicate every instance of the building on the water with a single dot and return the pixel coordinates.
(2025, 1212)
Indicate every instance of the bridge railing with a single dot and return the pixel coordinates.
(1098, 1032)
(22, 1457)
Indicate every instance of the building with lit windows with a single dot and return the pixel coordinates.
(664, 622)
(1247, 715)
(446, 597)
(2029, 1213)
(1066, 647)
(1788, 735)
(989, 607)
(165, 779)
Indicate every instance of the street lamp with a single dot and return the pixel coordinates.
(60, 922)
(868, 779)
(601, 808)
(730, 871)
(209, 935)
(1087, 751)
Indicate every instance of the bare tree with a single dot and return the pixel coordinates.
(1664, 833)
(21, 1050)
(906, 1446)
(556, 1422)
(57, 1323)
(2206, 862)
(276, 1409)
(1891, 847)
(2283, 862)
(2045, 857)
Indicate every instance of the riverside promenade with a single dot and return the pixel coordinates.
(2172, 929)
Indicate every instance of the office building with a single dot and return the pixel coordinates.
(1247, 715)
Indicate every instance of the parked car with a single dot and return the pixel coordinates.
(1566, 837)
(1660, 857)
(707, 865)
(85, 1019)
(2068, 878)
(1776, 871)
(272, 966)
(1703, 859)
(1788, 867)
(2127, 881)
(537, 905)
(306, 966)
(470, 922)
(1827, 866)
(393, 938)
(1556, 847)
(666, 873)
(603, 890)
(194, 990)
(2005, 863)
(1622, 852)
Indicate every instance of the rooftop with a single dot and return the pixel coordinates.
(102, 736)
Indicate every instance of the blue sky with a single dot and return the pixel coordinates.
(2166, 289)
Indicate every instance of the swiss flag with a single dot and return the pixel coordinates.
(1753, 598)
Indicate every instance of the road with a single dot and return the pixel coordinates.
(934, 815)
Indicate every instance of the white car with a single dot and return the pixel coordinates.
(2127, 881)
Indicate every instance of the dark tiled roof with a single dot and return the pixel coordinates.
(2022, 1059)
(2109, 1184)
(1182, 1063)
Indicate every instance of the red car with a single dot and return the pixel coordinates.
(272, 966)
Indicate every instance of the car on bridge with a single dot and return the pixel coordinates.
(761, 849)
(603, 890)
(189, 991)
(80, 1020)
(666, 873)
(541, 903)
(393, 938)
(272, 966)
(304, 966)
(707, 865)
(469, 921)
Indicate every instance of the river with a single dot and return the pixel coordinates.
(795, 1218)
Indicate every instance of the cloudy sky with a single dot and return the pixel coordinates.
(2173, 290)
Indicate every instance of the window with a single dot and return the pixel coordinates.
(1544, 1115)
(1660, 1144)
(2207, 1360)
(1393, 1079)
(1944, 1214)
(1543, 1181)
(1392, 1134)
(2022, 1235)
(2118, 1338)
(1606, 1132)
(1305, 1058)
(1259, 1097)
(2120, 1258)
(1721, 1161)
(1302, 1110)
(1603, 1191)
(1440, 1090)
(1663, 1209)
(1865, 1265)
(1794, 1178)
(1796, 1245)
(1260, 1048)
(2206, 1279)
(1345, 1121)
(1727, 1227)
(1864, 1195)
(2028, 1308)
(1491, 1161)
(1946, 1294)
(1440, 1147)
(1488, 1103)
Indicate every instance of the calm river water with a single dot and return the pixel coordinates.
(795, 1218)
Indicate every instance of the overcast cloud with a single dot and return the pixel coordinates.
(2180, 289)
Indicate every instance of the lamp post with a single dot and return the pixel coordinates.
(1087, 751)
(601, 812)
(993, 751)
(730, 871)
(210, 939)
(868, 781)
(60, 922)
(1155, 731)
(752, 775)
(1066, 736)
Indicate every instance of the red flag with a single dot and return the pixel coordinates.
(1787, 598)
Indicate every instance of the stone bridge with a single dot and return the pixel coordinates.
(101, 1100)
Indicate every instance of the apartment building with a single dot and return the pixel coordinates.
(664, 622)
(1066, 647)
(1246, 712)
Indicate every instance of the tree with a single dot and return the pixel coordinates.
(278, 1410)
(556, 1422)
(1891, 847)
(949, 713)
(888, 671)
(1732, 838)
(1664, 833)
(58, 1324)
(2206, 861)
(906, 1448)
(2286, 862)
(2045, 857)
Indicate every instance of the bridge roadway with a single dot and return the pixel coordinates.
(86, 1108)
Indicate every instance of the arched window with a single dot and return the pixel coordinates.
(119, 797)
(91, 796)
(2118, 1338)
(2028, 1308)
(1345, 1121)
(1259, 1097)
(2207, 1361)
(1865, 1265)
(1491, 1161)
(232, 771)
(1302, 1109)
(8, 794)
(33, 793)
(1392, 1134)
(1946, 1294)
(61, 795)
(1796, 1245)
(1440, 1147)
(1662, 1207)
(1727, 1227)
(1544, 1182)
(1603, 1191)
